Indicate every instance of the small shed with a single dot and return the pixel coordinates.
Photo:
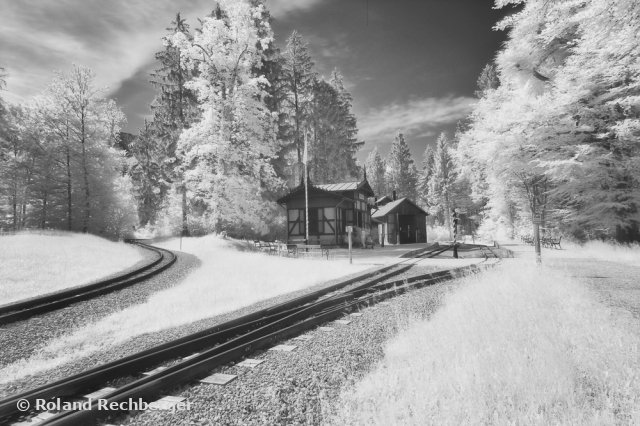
(332, 207)
(400, 222)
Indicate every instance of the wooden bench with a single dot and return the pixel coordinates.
(555, 243)
(312, 249)
(292, 250)
(368, 243)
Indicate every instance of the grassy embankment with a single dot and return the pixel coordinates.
(516, 345)
(35, 263)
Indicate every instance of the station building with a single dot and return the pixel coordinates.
(399, 221)
(333, 207)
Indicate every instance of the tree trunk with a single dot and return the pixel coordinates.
(447, 214)
(23, 219)
(69, 223)
(85, 171)
(15, 206)
(43, 223)
(185, 228)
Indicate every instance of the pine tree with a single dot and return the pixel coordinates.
(424, 176)
(174, 109)
(376, 172)
(402, 175)
(346, 125)
(442, 180)
(299, 78)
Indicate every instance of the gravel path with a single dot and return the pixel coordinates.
(23, 338)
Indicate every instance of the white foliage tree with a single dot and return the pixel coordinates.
(230, 149)
(563, 124)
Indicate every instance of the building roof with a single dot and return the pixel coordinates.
(384, 200)
(344, 186)
(392, 207)
(313, 190)
(333, 189)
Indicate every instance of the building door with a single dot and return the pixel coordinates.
(407, 229)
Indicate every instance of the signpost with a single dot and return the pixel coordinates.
(537, 220)
(349, 231)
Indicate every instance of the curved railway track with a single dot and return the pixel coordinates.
(195, 355)
(24, 309)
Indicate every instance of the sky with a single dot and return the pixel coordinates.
(410, 65)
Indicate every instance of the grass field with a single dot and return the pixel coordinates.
(227, 280)
(38, 263)
(518, 345)
(622, 253)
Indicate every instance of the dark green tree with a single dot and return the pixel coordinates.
(424, 175)
(376, 172)
(299, 78)
(174, 109)
(402, 175)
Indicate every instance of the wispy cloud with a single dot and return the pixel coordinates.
(280, 8)
(419, 117)
(115, 38)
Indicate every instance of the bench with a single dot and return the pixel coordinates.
(312, 249)
(368, 243)
(555, 243)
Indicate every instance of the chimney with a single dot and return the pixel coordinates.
(395, 197)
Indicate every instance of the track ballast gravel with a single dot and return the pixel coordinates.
(300, 387)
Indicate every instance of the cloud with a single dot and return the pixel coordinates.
(115, 38)
(280, 8)
(418, 117)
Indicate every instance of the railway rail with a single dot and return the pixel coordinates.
(24, 309)
(194, 356)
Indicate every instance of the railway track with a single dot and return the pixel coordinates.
(194, 356)
(24, 309)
